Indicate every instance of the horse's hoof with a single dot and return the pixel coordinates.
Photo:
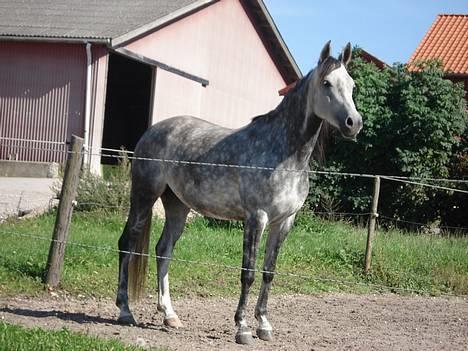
(127, 320)
(244, 336)
(265, 334)
(173, 322)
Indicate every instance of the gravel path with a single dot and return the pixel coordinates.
(328, 322)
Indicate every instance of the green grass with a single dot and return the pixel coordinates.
(21, 339)
(315, 249)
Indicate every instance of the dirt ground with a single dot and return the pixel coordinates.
(328, 322)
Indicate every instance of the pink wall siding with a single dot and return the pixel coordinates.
(218, 43)
(41, 97)
(175, 95)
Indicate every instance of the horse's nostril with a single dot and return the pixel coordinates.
(349, 122)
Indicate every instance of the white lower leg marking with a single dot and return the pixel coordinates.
(244, 332)
(264, 324)
(164, 300)
(243, 323)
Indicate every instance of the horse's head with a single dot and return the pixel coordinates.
(332, 92)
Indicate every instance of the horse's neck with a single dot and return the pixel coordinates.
(302, 128)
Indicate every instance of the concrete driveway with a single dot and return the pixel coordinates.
(22, 196)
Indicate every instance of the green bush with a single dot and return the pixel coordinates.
(415, 126)
(110, 192)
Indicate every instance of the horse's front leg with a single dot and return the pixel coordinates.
(176, 216)
(253, 229)
(277, 234)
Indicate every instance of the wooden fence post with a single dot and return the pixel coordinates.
(64, 213)
(371, 229)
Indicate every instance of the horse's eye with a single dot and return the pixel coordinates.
(326, 83)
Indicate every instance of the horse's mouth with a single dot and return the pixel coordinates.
(350, 136)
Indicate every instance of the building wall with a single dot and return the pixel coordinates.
(175, 95)
(42, 97)
(218, 43)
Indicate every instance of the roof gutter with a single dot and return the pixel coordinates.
(67, 40)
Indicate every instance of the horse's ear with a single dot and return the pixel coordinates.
(325, 52)
(345, 56)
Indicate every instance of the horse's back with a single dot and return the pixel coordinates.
(178, 132)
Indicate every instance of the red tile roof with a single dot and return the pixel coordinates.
(447, 40)
(368, 57)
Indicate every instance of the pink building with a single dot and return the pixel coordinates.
(106, 70)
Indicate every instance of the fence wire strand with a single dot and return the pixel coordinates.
(236, 268)
(33, 141)
(271, 169)
(402, 179)
(422, 225)
(99, 152)
(56, 150)
(448, 180)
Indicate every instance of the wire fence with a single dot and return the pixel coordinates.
(325, 214)
(32, 149)
(121, 154)
(114, 153)
(308, 277)
(118, 154)
(400, 179)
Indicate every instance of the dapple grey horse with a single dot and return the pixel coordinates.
(280, 143)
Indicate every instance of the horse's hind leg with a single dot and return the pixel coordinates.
(276, 236)
(176, 215)
(138, 223)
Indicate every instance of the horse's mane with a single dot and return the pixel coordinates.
(324, 68)
(318, 153)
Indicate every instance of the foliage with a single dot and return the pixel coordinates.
(414, 125)
(109, 193)
(21, 339)
(208, 257)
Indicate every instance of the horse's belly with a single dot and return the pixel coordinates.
(222, 202)
(226, 194)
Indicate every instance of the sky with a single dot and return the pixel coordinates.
(390, 30)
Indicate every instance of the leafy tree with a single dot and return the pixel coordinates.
(414, 125)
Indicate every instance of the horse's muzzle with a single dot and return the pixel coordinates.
(351, 126)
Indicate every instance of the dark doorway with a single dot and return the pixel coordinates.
(128, 101)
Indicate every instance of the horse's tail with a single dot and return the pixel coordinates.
(138, 264)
